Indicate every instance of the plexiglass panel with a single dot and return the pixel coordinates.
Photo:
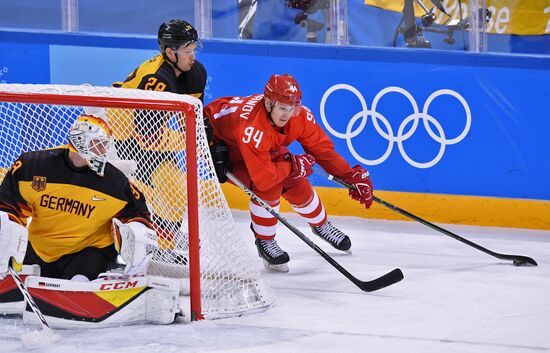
(498, 25)
(30, 14)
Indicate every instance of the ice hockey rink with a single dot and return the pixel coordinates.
(453, 299)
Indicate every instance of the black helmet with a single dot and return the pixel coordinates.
(175, 33)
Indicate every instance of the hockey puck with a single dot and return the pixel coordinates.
(519, 262)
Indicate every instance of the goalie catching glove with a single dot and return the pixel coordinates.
(362, 191)
(135, 244)
(13, 243)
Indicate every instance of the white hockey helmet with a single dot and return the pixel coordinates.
(91, 138)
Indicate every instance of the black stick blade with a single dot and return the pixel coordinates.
(381, 282)
(524, 261)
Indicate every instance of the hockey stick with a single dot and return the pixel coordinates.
(29, 298)
(367, 286)
(518, 260)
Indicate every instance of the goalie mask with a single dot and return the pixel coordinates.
(90, 137)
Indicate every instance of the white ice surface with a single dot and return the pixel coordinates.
(453, 299)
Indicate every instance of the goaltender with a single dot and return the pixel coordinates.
(84, 212)
(72, 195)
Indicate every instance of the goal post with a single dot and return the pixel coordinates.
(161, 136)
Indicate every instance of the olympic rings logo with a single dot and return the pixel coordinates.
(401, 135)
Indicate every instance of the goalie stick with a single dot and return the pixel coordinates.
(366, 286)
(30, 300)
(518, 260)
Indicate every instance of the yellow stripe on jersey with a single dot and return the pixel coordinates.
(122, 123)
(149, 67)
(3, 172)
(122, 120)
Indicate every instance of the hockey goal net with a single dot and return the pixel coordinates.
(160, 143)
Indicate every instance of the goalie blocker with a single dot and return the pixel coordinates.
(107, 301)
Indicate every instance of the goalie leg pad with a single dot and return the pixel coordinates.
(13, 242)
(11, 299)
(105, 302)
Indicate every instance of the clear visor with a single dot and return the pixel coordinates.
(289, 110)
(189, 48)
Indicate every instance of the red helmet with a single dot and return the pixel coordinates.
(284, 89)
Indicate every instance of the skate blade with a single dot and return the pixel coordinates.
(276, 268)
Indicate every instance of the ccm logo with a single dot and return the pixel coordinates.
(118, 285)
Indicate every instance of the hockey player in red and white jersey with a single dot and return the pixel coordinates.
(257, 130)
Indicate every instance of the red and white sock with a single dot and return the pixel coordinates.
(313, 211)
(264, 225)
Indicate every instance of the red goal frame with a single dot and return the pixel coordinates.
(191, 160)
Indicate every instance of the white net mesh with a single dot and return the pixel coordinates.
(150, 147)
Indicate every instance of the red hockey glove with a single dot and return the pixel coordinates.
(359, 178)
(302, 165)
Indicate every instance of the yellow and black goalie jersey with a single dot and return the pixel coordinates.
(71, 207)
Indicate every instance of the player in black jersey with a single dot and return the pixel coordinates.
(175, 69)
(72, 195)
(147, 137)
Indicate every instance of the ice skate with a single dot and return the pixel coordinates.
(333, 236)
(274, 257)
